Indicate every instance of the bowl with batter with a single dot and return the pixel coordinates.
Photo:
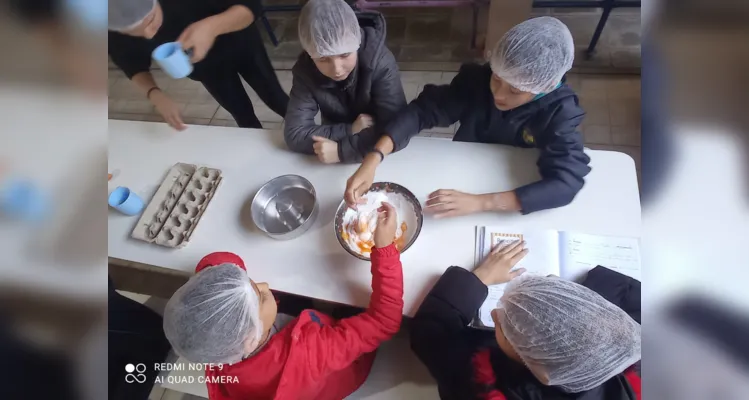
(355, 228)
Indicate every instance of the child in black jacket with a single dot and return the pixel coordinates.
(519, 99)
(554, 339)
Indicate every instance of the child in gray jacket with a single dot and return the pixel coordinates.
(349, 75)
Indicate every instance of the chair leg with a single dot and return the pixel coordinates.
(269, 29)
(599, 29)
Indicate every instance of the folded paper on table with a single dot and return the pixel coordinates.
(568, 255)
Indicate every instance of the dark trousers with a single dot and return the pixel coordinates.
(136, 336)
(254, 66)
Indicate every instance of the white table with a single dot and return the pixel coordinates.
(314, 264)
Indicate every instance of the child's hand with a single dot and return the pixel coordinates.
(452, 203)
(497, 267)
(326, 150)
(362, 122)
(387, 219)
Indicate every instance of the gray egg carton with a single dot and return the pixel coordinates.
(175, 209)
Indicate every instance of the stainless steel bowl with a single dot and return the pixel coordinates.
(285, 207)
(382, 187)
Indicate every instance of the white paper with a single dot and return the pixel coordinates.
(582, 252)
(542, 259)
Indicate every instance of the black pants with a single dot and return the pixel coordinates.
(136, 336)
(254, 66)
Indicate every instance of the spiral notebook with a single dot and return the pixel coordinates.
(568, 255)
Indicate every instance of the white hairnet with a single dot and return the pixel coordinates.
(213, 317)
(534, 55)
(124, 14)
(328, 28)
(566, 333)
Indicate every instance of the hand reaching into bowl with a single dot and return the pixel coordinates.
(387, 219)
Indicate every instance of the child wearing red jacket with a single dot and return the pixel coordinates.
(221, 316)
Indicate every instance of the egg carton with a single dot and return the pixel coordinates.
(175, 209)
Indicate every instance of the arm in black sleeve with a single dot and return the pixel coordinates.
(353, 148)
(130, 54)
(300, 123)
(437, 105)
(562, 164)
(438, 331)
(387, 98)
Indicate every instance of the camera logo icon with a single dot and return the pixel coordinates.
(135, 373)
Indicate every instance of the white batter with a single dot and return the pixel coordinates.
(359, 225)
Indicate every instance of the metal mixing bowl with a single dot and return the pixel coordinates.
(412, 234)
(285, 207)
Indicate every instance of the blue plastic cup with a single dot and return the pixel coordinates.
(173, 60)
(125, 201)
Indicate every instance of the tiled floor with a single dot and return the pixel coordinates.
(612, 104)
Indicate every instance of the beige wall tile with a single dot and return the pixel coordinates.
(137, 107)
(450, 130)
(599, 134)
(264, 114)
(153, 118)
(596, 111)
(411, 90)
(573, 81)
(624, 88)
(593, 86)
(173, 395)
(184, 84)
(196, 121)
(285, 78)
(115, 74)
(115, 105)
(200, 110)
(625, 112)
(203, 96)
(224, 122)
(441, 135)
(123, 89)
(204, 101)
(222, 114)
(272, 125)
(421, 77)
(122, 116)
(183, 95)
(626, 136)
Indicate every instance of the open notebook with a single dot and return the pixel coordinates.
(568, 255)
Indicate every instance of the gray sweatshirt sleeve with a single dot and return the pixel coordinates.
(300, 123)
(388, 98)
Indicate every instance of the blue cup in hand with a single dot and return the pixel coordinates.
(125, 201)
(173, 60)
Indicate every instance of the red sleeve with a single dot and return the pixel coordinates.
(337, 346)
(634, 380)
(219, 258)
